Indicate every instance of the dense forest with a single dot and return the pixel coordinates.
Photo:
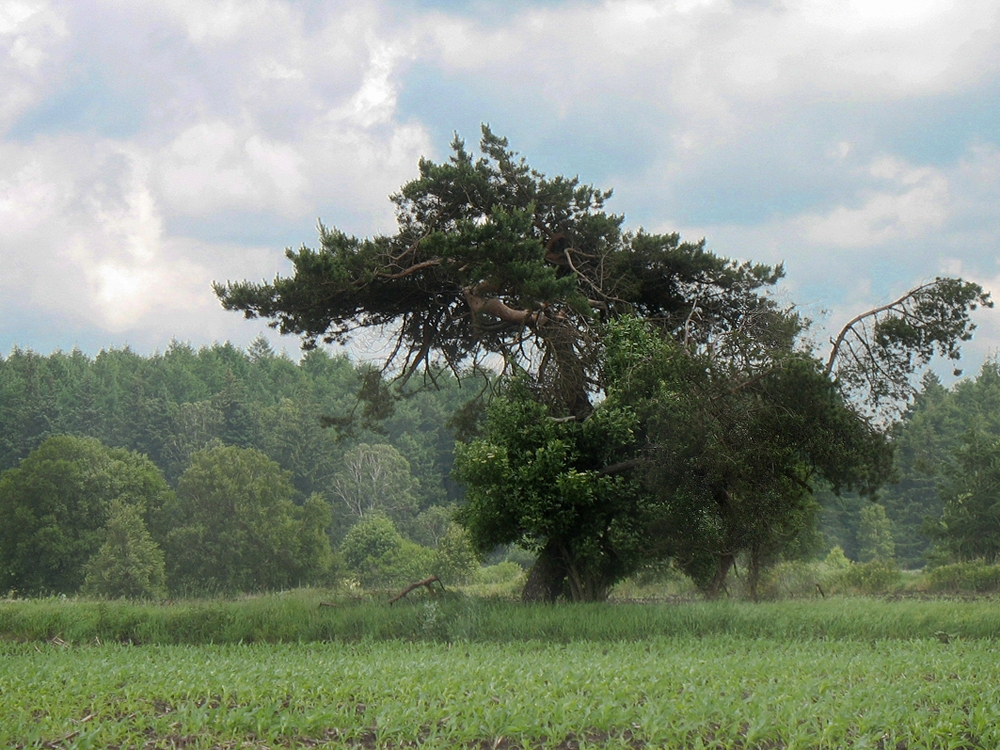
(945, 443)
(181, 432)
(196, 419)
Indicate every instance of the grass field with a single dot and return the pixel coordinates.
(297, 616)
(491, 675)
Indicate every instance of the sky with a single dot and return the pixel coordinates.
(149, 149)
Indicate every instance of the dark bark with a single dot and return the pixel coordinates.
(723, 565)
(546, 579)
(753, 573)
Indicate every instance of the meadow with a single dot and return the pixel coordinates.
(280, 671)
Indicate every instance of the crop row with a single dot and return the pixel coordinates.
(720, 692)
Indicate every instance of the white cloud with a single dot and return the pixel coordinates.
(709, 70)
(254, 113)
(213, 167)
(910, 203)
(31, 39)
(102, 260)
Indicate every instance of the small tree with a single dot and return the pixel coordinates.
(875, 540)
(455, 559)
(969, 528)
(432, 524)
(129, 565)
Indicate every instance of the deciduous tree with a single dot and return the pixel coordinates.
(375, 478)
(235, 526)
(55, 506)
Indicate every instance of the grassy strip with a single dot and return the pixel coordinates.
(719, 692)
(297, 617)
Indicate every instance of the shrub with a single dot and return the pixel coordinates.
(976, 577)
(792, 578)
(502, 572)
(376, 553)
(875, 577)
(455, 561)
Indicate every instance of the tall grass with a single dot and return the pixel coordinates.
(298, 617)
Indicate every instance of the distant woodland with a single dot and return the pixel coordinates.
(184, 423)
(183, 409)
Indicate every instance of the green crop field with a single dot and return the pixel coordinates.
(282, 672)
(713, 689)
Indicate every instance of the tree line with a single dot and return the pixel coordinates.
(213, 467)
(83, 515)
(941, 504)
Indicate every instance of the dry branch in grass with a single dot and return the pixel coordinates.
(426, 582)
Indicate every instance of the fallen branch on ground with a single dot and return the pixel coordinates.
(426, 582)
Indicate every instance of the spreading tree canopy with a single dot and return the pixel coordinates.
(490, 257)
(665, 403)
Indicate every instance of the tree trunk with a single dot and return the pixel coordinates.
(586, 588)
(722, 567)
(546, 579)
(753, 573)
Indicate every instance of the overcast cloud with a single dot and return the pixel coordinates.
(147, 149)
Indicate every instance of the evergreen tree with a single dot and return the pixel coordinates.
(129, 564)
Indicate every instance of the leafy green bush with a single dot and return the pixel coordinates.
(502, 572)
(455, 561)
(376, 553)
(975, 577)
(875, 577)
(792, 578)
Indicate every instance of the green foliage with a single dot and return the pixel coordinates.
(836, 559)
(129, 564)
(731, 447)
(455, 559)
(795, 579)
(537, 481)
(169, 406)
(369, 540)
(875, 535)
(875, 577)
(970, 524)
(56, 505)
(431, 525)
(234, 526)
(503, 572)
(378, 555)
(974, 577)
